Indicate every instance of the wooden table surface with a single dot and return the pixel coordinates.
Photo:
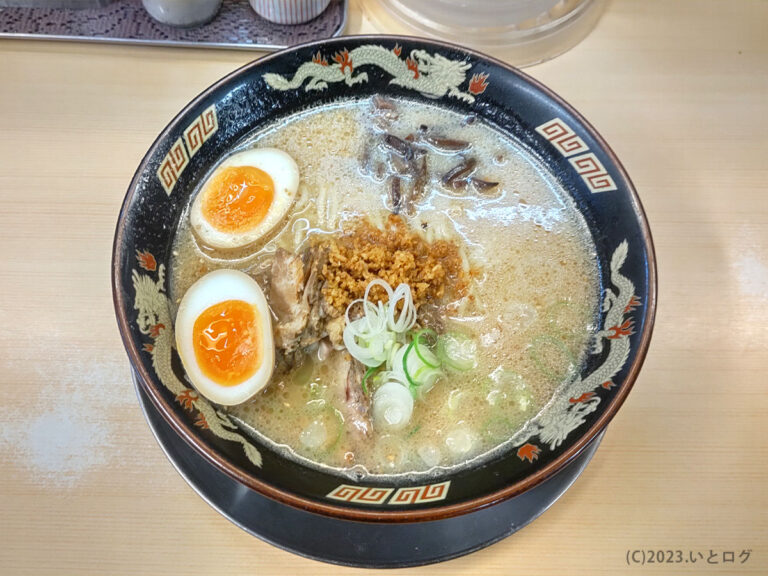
(679, 89)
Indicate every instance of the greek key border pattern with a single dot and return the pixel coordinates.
(406, 496)
(200, 130)
(571, 146)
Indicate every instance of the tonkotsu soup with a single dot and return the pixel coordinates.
(430, 286)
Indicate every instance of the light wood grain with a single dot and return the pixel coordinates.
(679, 89)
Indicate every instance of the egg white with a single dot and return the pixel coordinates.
(285, 175)
(211, 289)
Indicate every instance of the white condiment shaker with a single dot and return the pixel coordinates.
(182, 12)
(289, 11)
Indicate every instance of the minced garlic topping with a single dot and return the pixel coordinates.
(396, 255)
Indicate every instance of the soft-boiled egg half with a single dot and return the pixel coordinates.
(247, 195)
(224, 337)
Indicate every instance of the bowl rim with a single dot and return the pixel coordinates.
(185, 430)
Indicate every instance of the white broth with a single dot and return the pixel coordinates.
(531, 306)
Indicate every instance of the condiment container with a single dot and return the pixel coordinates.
(182, 12)
(289, 11)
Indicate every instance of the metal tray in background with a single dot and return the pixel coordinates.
(125, 21)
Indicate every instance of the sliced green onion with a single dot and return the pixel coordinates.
(454, 398)
(339, 428)
(405, 320)
(457, 351)
(461, 440)
(422, 351)
(315, 435)
(413, 431)
(370, 338)
(392, 406)
(392, 355)
(303, 375)
(429, 454)
(508, 391)
(411, 382)
(546, 352)
(420, 376)
(364, 382)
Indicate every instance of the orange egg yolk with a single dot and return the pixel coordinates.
(238, 198)
(227, 342)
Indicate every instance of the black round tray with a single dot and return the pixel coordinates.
(357, 543)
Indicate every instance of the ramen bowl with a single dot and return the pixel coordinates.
(407, 69)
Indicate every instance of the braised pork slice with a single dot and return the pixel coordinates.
(314, 260)
(350, 399)
(286, 297)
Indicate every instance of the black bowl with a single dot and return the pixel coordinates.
(315, 75)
